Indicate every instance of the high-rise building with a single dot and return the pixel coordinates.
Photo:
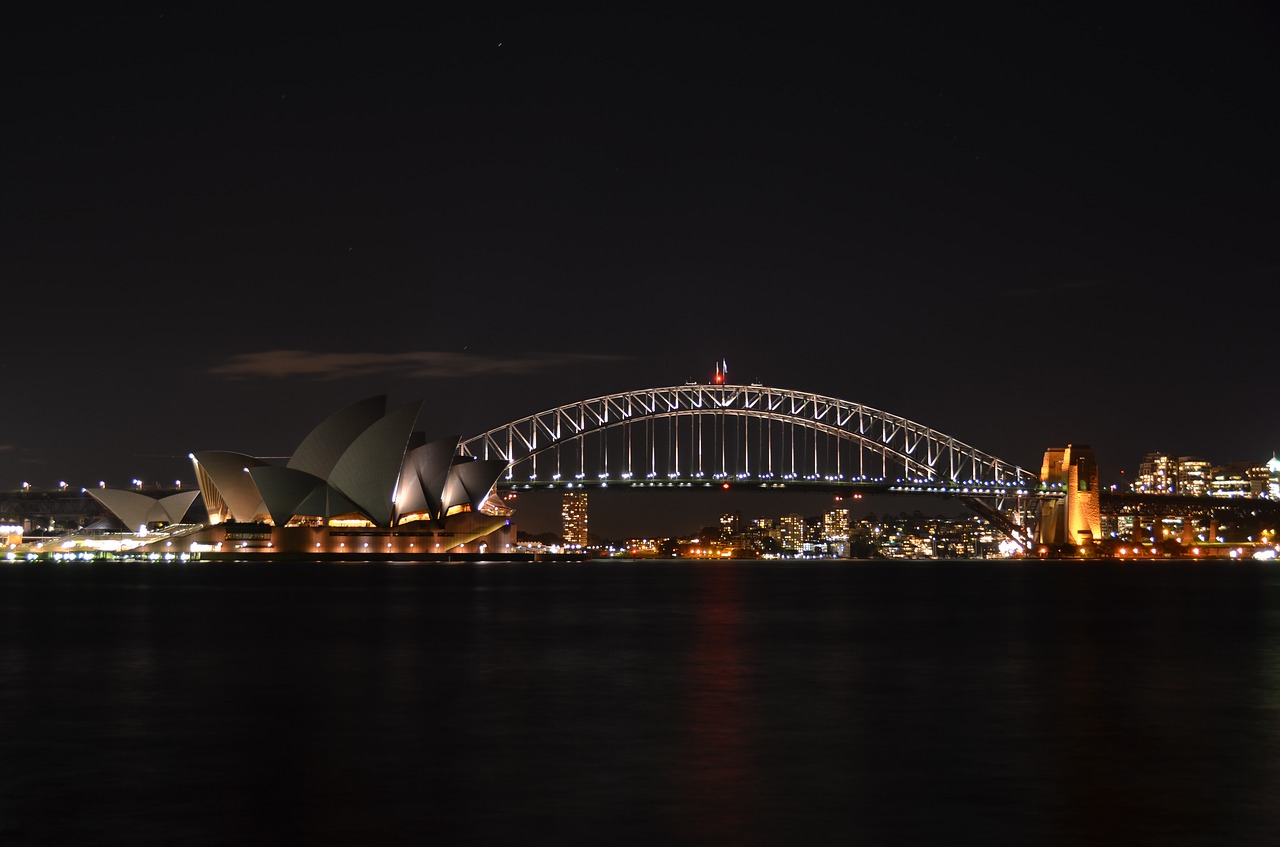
(573, 512)
(730, 524)
(791, 532)
(835, 524)
(835, 530)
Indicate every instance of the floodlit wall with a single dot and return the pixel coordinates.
(1076, 518)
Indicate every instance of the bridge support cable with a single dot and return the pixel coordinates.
(792, 430)
(652, 447)
(673, 451)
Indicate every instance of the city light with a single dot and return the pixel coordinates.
(1155, 532)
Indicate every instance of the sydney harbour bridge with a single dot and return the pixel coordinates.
(750, 437)
(697, 435)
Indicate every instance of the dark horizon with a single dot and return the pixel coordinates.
(1021, 229)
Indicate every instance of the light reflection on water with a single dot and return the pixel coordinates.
(641, 703)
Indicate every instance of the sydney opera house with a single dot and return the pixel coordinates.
(364, 483)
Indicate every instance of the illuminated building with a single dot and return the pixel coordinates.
(835, 524)
(1259, 476)
(573, 513)
(1194, 474)
(1231, 481)
(1157, 474)
(139, 511)
(1196, 477)
(835, 531)
(362, 482)
(730, 524)
(1075, 518)
(791, 532)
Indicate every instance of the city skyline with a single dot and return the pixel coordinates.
(631, 503)
(1022, 232)
(669, 511)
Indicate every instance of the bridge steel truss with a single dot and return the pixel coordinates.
(701, 434)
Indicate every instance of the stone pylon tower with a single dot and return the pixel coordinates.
(1076, 518)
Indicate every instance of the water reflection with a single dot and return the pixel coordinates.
(642, 703)
(717, 768)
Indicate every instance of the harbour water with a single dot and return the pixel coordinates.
(652, 702)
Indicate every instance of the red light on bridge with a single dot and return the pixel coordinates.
(725, 486)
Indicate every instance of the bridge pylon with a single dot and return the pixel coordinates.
(1075, 518)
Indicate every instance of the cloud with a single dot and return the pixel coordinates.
(308, 364)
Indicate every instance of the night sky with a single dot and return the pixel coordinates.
(1024, 228)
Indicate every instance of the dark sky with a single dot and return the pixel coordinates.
(1022, 228)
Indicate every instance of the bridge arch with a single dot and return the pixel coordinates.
(698, 434)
